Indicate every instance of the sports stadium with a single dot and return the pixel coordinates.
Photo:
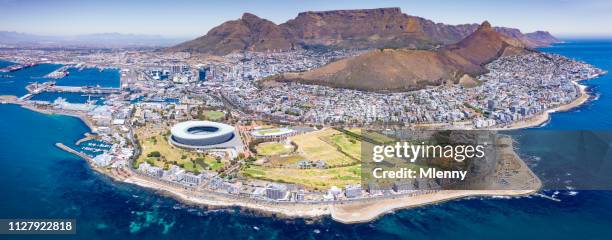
(204, 135)
(273, 133)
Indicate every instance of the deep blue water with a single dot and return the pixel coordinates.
(16, 84)
(90, 77)
(49, 183)
(4, 63)
(594, 114)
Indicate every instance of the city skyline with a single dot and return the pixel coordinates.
(191, 19)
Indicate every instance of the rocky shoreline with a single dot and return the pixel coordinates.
(348, 212)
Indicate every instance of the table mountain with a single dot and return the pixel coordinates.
(364, 28)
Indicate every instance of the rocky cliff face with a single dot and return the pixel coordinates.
(541, 38)
(386, 27)
(367, 28)
(483, 46)
(406, 69)
(247, 33)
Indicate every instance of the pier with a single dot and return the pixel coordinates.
(17, 67)
(75, 152)
(59, 73)
(8, 99)
(86, 89)
(36, 88)
(118, 174)
(26, 97)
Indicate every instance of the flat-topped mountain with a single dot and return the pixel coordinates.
(409, 69)
(365, 28)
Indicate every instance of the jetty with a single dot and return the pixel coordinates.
(36, 88)
(118, 174)
(75, 152)
(86, 138)
(17, 67)
(59, 73)
(9, 99)
(85, 89)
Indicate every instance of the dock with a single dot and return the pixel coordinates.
(75, 152)
(17, 67)
(26, 97)
(59, 73)
(9, 99)
(93, 90)
(36, 88)
(117, 174)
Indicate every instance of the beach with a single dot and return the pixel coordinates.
(365, 212)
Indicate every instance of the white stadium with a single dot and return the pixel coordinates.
(204, 135)
(273, 133)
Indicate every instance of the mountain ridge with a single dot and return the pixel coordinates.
(360, 28)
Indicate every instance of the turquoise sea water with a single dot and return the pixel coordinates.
(49, 183)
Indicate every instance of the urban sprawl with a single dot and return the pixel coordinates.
(158, 90)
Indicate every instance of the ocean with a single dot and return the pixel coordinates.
(40, 181)
(18, 80)
(90, 77)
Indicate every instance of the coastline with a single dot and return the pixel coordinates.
(82, 117)
(354, 211)
(363, 213)
(348, 212)
(542, 118)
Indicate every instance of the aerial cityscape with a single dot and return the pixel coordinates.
(277, 121)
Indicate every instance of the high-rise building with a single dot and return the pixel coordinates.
(352, 191)
(491, 105)
(276, 191)
(202, 73)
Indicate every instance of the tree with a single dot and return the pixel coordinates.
(154, 154)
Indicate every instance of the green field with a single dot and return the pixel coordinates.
(273, 148)
(269, 131)
(319, 179)
(317, 145)
(213, 115)
(339, 151)
(378, 137)
(347, 144)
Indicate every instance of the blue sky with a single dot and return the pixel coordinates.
(193, 18)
